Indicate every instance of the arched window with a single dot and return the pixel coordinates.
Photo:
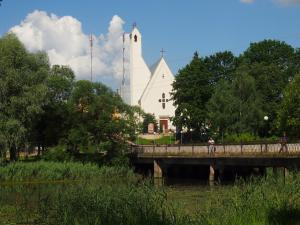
(164, 105)
(163, 95)
(135, 38)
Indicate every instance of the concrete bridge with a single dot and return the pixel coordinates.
(163, 159)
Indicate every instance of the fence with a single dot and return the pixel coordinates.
(218, 149)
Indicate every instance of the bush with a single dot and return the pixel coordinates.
(58, 154)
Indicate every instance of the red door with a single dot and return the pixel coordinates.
(164, 125)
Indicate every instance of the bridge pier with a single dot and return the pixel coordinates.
(211, 178)
(157, 170)
(157, 174)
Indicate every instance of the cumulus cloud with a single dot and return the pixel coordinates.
(66, 44)
(288, 2)
(247, 1)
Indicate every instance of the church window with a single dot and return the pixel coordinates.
(163, 100)
(135, 38)
(163, 76)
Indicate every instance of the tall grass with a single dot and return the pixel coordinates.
(53, 171)
(118, 197)
(261, 201)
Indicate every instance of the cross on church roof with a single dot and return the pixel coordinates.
(134, 25)
(162, 51)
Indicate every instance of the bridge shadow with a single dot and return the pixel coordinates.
(284, 216)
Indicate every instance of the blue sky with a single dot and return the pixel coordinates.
(180, 27)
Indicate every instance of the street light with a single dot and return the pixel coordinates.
(191, 130)
(181, 136)
(154, 137)
(266, 118)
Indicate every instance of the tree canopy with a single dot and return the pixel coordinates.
(223, 94)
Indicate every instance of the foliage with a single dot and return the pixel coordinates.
(23, 91)
(237, 91)
(191, 91)
(289, 112)
(147, 119)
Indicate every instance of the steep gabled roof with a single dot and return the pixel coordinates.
(154, 66)
(153, 71)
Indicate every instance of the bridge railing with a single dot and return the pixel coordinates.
(219, 149)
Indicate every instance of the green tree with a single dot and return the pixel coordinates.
(99, 119)
(221, 65)
(236, 107)
(147, 119)
(272, 63)
(222, 107)
(52, 124)
(289, 112)
(191, 91)
(23, 92)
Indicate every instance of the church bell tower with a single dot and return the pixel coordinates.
(139, 71)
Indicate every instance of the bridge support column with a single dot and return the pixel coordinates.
(211, 178)
(157, 170)
(157, 174)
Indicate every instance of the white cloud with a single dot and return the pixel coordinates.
(247, 1)
(288, 2)
(66, 44)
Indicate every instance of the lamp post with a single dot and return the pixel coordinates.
(191, 130)
(170, 135)
(181, 132)
(266, 118)
(154, 137)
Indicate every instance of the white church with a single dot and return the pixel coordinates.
(150, 87)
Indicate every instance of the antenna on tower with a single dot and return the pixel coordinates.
(91, 48)
(123, 62)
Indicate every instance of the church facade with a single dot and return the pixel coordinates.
(150, 87)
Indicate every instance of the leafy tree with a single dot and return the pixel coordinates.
(289, 112)
(222, 107)
(147, 119)
(236, 107)
(221, 65)
(99, 119)
(52, 124)
(22, 91)
(272, 63)
(191, 91)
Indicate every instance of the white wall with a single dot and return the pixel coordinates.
(139, 71)
(158, 85)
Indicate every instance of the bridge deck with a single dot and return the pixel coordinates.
(202, 151)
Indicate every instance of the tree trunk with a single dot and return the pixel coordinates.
(13, 154)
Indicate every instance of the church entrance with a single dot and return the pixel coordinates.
(163, 123)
